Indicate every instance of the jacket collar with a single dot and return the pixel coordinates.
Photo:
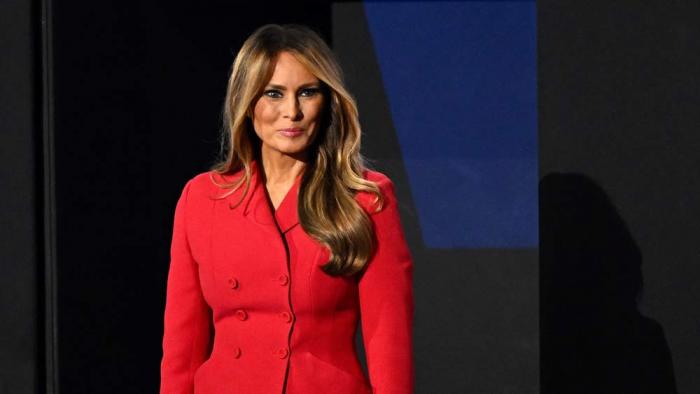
(257, 206)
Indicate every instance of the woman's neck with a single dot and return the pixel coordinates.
(279, 168)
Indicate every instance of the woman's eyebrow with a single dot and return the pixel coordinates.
(280, 87)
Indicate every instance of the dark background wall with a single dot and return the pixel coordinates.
(619, 159)
(137, 92)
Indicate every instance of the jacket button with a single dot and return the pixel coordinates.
(233, 283)
(241, 314)
(282, 352)
(283, 279)
(236, 352)
(286, 317)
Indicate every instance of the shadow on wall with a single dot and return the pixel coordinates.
(593, 337)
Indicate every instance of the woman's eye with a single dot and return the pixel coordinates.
(308, 92)
(273, 93)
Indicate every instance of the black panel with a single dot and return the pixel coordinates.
(139, 89)
(21, 228)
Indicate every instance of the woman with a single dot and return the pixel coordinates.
(288, 241)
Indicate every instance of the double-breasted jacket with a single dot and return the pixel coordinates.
(248, 309)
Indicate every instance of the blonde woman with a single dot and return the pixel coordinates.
(288, 242)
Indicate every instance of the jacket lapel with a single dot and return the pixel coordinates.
(257, 205)
(287, 213)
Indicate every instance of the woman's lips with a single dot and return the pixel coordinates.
(292, 132)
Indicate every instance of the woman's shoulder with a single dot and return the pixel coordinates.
(208, 183)
(385, 185)
(376, 176)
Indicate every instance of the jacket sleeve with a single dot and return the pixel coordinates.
(386, 302)
(187, 317)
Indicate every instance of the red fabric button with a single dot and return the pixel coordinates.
(286, 317)
(282, 352)
(236, 352)
(233, 283)
(283, 279)
(241, 314)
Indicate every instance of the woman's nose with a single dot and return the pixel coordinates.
(292, 108)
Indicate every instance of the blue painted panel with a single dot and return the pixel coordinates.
(460, 78)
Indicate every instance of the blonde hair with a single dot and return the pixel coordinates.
(327, 209)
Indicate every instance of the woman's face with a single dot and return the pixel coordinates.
(287, 115)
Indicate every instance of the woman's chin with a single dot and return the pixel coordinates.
(291, 149)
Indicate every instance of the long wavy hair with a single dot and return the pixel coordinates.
(327, 209)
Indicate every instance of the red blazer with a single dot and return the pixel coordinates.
(248, 309)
